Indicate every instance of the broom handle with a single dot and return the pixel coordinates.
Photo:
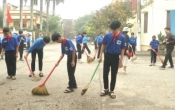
(49, 75)
(29, 67)
(85, 52)
(157, 54)
(94, 72)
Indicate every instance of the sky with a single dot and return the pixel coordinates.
(71, 9)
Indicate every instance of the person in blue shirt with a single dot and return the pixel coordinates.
(21, 40)
(1, 37)
(28, 41)
(37, 48)
(132, 43)
(10, 44)
(99, 43)
(95, 42)
(85, 46)
(68, 48)
(79, 41)
(114, 44)
(154, 44)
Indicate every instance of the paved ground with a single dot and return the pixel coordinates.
(143, 88)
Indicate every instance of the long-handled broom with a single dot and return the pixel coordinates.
(33, 77)
(134, 57)
(87, 86)
(41, 89)
(158, 55)
(89, 59)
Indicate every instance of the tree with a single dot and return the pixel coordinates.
(55, 24)
(4, 13)
(1, 18)
(41, 14)
(21, 14)
(47, 18)
(31, 14)
(56, 2)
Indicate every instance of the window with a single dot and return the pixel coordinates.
(145, 22)
(168, 19)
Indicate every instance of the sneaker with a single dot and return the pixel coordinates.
(13, 78)
(171, 67)
(162, 68)
(8, 77)
(151, 64)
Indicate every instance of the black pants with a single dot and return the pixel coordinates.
(21, 48)
(10, 59)
(40, 58)
(71, 71)
(28, 45)
(168, 56)
(95, 45)
(0, 47)
(85, 46)
(134, 49)
(110, 61)
(153, 56)
(99, 49)
(79, 51)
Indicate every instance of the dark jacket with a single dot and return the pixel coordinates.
(127, 41)
(171, 39)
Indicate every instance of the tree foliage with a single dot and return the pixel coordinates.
(1, 18)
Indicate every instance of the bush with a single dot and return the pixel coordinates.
(161, 37)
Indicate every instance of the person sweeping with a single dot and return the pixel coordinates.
(68, 48)
(99, 43)
(37, 48)
(21, 39)
(85, 46)
(10, 44)
(79, 40)
(154, 44)
(114, 45)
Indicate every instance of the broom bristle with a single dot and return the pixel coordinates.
(134, 58)
(84, 90)
(40, 90)
(90, 59)
(36, 78)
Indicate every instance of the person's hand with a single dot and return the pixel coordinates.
(167, 42)
(16, 55)
(25, 56)
(57, 64)
(130, 45)
(100, 59)
(120, 64)
(72, 63)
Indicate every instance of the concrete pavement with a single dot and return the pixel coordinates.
(143, 88)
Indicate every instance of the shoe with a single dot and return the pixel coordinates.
(31, 76)
(171, 67)
(13, 78)
(154, 64)
(162, 68)
(80, 62)
(151, 64)
(8, 77)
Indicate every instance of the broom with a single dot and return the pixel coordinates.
(158, 55)
(89, 59)
(87, 86)
(33, 77)
(41, 89)
(134, 57)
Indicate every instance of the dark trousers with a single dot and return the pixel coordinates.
(10, 59)
(168, 56)
(21, 48)
(40, 58)
(28, 45)
(134, 49)
(71, 71)
(85, 46)
(95, 45)
(99, 49)
(79, 51)
(0, 47)
(153, 56)
(110, 61)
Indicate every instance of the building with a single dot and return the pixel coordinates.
(155, 16)
(15, 15)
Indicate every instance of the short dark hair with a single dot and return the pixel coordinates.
(101, 33)
(55, 36)
(132, 33)
(20, 31)
(6, 29)
(115, 25)
(84, 33)
(153, 36)
(167, 28)
(46, 39)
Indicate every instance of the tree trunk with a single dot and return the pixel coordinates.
(41, 15)
(21, 14)
(4, 13)
(47, 19)
(54, 7)
(31, 14)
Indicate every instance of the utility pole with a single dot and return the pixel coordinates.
(41, 15)
(21, 14)
(138, 24)
(31, 15)
(4, 13)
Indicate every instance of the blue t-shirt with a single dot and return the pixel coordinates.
(99, 39)
(95, 39)
(28, 39)
(85, 39)
(67, 47)
(38, 44)
(133, 41)
(20, 37)
(114, 44)
(154, 44)
(9, 44)
(79, 39)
